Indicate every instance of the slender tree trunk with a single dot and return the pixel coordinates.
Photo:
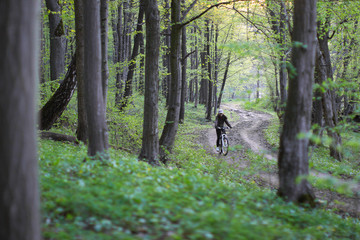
(19, 190)
(293, 153)
(119, 60)
(142, 65)
(210, 82)
(150, 140)
(183, 75)
(57, 40)
(132, 60)
(328, 107)
(224, 80)
(104, 12)
(95, 107)
(82, 129)
(216, 66)
(196, 80)
(165, 90)
(172, 118)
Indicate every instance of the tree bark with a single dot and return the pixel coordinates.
(167, 138)
(183, 75)
(104, 12)
(56, 105)
(293, 153)
(95, 108)
(82, 129)
(57, 40)
(150, 140)
(19, 190)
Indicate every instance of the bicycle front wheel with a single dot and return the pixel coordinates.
(225, 146)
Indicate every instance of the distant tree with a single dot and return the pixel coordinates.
(325, 73)
(94, 98)
(19, 191)
(57, 39)
(293, 153)
(132, 61)
(150, 140)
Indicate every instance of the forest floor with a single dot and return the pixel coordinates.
(248, 134)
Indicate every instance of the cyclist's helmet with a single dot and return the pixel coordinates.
(221, 111)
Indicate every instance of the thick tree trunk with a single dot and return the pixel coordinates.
(82, 129)
(150, 140)
(132, 60)
(56, 105)
(19, 189)
(204, 81)
(293, 153)
(57, 40)
(172, 118)
(95, 108)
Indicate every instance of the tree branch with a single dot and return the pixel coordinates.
(188, 10)
(250, 22)
(208, 9)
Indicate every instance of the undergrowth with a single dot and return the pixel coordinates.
(196, 196)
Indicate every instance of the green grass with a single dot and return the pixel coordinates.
(197, 196)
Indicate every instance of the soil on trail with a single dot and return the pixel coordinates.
(248, 133)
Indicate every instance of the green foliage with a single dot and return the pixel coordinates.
(197, 196)
(127, 199)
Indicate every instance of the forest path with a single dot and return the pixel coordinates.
(248, 133)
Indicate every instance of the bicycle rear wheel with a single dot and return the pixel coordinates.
(225, 146)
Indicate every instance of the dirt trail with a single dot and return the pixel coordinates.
(248, 132)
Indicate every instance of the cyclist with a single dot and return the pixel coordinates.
(219, 123)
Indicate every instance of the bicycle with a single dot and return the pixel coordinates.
(224, 143)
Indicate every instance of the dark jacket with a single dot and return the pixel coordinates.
(220, 120)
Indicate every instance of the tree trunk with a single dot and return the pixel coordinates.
(142, 65)
(104, 12)
(172, 118)
(183, 75)
(150, 140)
(216, 66)
(19, 189)
(119, 60)
(210, 83)
(224, 80)
(132, 60)
(328, 107)
(165, 88)
(329, 96)
(56, 105)
(57, 40)
(95, 108)
(293, 153)
(82, 129)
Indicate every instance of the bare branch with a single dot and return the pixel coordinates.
(208, 9)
